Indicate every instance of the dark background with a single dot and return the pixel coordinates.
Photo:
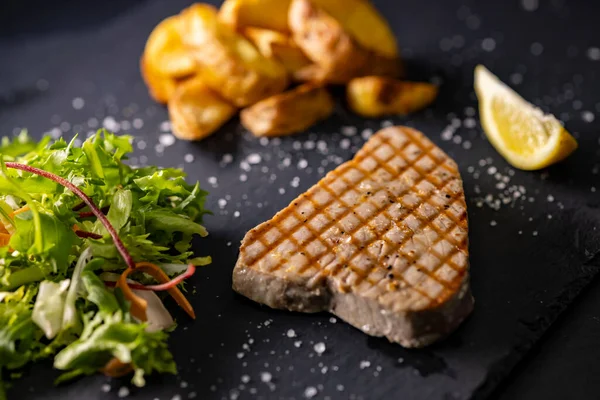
(54, 52)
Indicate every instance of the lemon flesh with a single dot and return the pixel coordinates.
(526, 137)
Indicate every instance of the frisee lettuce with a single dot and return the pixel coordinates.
(52, 301)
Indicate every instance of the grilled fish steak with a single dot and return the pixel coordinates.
(381, 242)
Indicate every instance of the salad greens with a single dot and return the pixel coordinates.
(70, 274)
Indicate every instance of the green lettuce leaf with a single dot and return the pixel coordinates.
(49, 307)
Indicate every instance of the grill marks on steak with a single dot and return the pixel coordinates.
(381, 242)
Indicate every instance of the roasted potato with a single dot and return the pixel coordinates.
(359, 18)
(230, 64)
(364, 24)
(268, 14)
(196, 111)
(337, 56)
(160, 87)
(289, 112)
(165, 51)
(375, 96)
(277, 45)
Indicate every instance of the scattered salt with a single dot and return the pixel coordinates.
(166, 139)
(349, 130)
(319, 348)
(588, 116)
(310, 392)
(365, 364)
(302, 164)
(123, 391)
(78, 103)
(291, 333)
(165, 126)
(537, 48)
(254, 158)
(266, 377)
(593, 53)
(488, 44)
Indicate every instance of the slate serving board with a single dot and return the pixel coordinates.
(530, 255)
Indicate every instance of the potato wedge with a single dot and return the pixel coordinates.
(289, 112)
(277, 45)
(363, 23)
(160, 87)
(165, 51)
(196, 111)
(268, 14)
(374, 96)
(230, 64)
(337, 56)
(358, 17)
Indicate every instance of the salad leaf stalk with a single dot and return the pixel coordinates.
(94, 209)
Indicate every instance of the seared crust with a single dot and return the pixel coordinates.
(381, 242)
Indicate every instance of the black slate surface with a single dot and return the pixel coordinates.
(529, 258)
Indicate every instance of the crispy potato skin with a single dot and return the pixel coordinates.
(165, 52)
(375, 96)
(196, 111)
(230, 64)
(337, 57)
(267, 14)
(280, 46)
(160, 87)
(289, 112)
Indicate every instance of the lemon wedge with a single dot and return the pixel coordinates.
(523, 134)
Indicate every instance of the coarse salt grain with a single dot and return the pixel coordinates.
(291, 333)
(537, 48)
(319, 348)
(365, 364)
(367, 133)
(227, 159)
(78, 103)
(310, 392)
(254, 158)
(349, 130)
(593, 53)
(488, 44)
(166, 139)
(266, 377)
(123, 392)
(188, 158)
(105, 388)
(138, 123)
(165, 126)
(588, 116)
